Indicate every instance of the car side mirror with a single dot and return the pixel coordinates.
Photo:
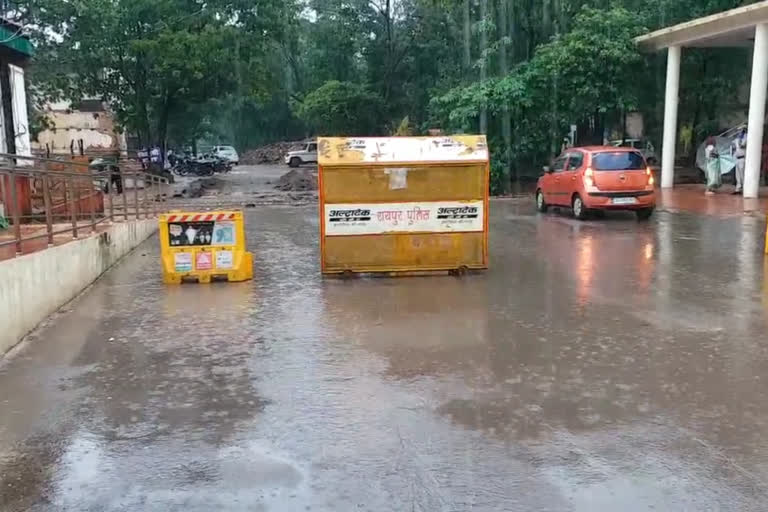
(547, 169)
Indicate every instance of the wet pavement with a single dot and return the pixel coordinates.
(692, 199)
(246, 186)
(607, 365)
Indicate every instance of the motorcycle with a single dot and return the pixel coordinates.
(193, 167)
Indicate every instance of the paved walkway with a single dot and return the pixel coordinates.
(691, 198)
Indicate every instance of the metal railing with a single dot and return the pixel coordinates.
(45, 199)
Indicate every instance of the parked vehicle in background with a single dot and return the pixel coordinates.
(227, 153)
(306, 154)
(107, 166)
(598, 178)
(644, 146)
(205, 165)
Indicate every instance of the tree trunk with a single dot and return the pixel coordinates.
(390, 51)
(467, 40)
(483, 69)
(597, 136)
(506, 118)
(162, 124)
(531, 23)
(623, 125)
(142, 111)
(513, 36)
(558, 17)
(238, 135)
(554, 121)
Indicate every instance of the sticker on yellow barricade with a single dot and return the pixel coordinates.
(203, 246)
(417, 217)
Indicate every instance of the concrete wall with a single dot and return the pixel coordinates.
(34, 286)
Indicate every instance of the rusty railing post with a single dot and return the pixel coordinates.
(160, 197)
(78, 196)
(70, 202)
(145, 195)
(136, 193)
(48, 208)
(2, 189)
(92, 202)
(15, 214)
(152, 196)
(123, 183)
(111, 197)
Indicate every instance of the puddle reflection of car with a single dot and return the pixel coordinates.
(598, 178)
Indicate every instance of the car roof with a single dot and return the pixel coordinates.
(604, 149)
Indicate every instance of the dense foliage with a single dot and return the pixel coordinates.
(252, 71)
(341, 108)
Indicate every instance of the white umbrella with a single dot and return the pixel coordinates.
(723, 148)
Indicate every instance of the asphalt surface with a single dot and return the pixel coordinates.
(607, 365)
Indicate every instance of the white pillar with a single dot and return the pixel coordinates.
(671, 100)
(756, 112)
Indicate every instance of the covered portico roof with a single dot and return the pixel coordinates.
(726, 29)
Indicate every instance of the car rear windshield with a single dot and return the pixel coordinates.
(618, 161)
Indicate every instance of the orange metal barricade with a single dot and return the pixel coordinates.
(403, 204)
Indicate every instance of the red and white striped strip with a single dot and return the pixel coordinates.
(201, 217)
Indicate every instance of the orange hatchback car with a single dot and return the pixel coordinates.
(598, 178)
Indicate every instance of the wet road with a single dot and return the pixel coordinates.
(599, 366)
(246, 186)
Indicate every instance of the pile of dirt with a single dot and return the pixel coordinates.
(297, 180)
(269, 154)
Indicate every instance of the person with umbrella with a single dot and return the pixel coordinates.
(714, 178)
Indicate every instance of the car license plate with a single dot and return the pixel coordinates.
(624, 200)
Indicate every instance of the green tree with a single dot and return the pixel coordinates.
(154, 59)
(591, 73)
(342, 108)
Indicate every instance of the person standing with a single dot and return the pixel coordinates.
(714, 179)
(739, 147)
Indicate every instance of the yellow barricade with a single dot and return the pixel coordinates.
(204, 245)
(403, 204)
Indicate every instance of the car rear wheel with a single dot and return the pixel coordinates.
(644, 214)
(541, 205)
(295, 162)
(579, 210)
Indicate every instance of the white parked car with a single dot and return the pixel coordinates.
(642, 145)
(227, 153)
(306, 154)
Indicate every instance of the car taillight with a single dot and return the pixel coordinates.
(589, 177)
(649, 173)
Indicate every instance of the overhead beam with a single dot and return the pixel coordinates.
(715, 30)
